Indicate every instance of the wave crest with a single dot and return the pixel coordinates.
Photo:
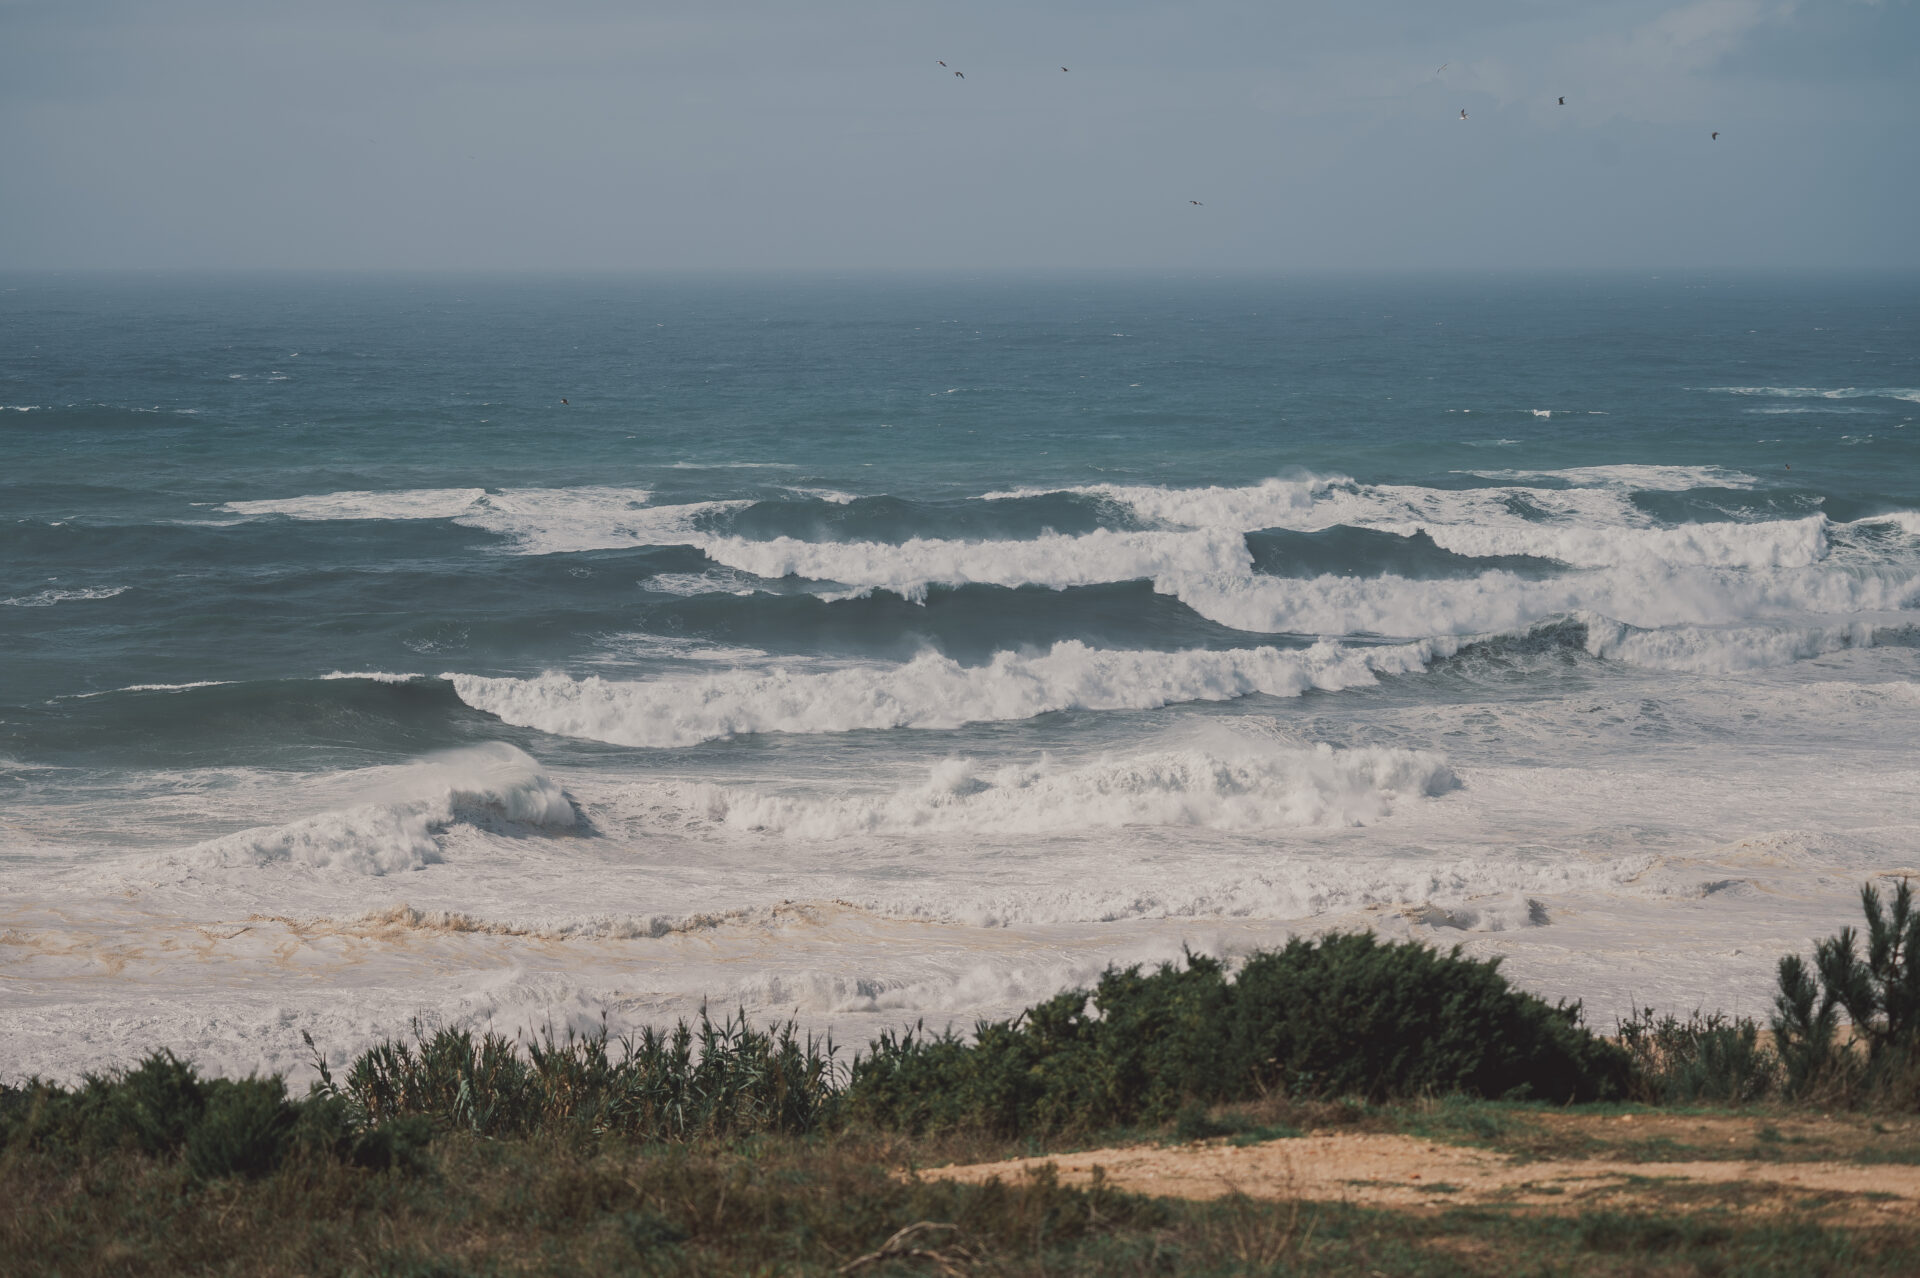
(931, 691)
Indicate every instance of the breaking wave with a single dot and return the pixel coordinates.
(395, 829)
(1504, 602)
(931, 691)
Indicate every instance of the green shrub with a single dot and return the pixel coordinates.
(149, 1108)
(244, 1129)
(1709, 1057)
(1349, 1016)
(1344, 1015)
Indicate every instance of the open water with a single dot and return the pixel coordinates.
(526, 651)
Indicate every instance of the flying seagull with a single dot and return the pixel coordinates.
(1063, 68)
(1196, 203)
(1463, 113)
(941, 63)
(959, 75)
(1442, 67)
(1716, 137)
(1563, 101)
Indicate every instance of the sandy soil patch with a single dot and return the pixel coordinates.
(1383, 1170)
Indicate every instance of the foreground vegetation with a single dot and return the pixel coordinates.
(780, 1205)
(723, 1148)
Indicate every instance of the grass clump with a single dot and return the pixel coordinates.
(1344, 1015)
(720, 1079)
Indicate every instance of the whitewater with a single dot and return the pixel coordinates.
(767, 673)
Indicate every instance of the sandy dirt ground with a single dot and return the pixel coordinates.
(1411, 1173)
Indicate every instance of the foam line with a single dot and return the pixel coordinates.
(1246, 790)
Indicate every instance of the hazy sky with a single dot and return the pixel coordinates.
(656, 133)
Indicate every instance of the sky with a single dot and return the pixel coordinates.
(589, 134)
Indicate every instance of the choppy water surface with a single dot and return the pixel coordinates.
(882, 649)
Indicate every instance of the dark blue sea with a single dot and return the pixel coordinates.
(527, 650)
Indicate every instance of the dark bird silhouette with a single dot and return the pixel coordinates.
(1196, 203)
(1716, 137)
(563, 401)
(1563, 101)
(959, 75)
(1463, 113)
(1063, 68)
(1442, 67)
(941, 63)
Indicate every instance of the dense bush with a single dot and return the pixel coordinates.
(1350, 1016)
(162, 1108)
(1344, 1015)
(1710, 1057)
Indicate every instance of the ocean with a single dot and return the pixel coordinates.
(870, 650)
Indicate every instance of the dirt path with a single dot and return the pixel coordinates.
(1408, 1172)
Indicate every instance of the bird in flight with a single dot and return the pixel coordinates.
(1196, 203)
(1463, 113)
(1716, 137)
(941, 63)
(959, 75)
(1563, 101)
(1442, 67)
(1063, 68)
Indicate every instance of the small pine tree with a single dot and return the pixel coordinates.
(1880, 994)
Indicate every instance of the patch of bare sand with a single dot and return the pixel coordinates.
(1406, 1172)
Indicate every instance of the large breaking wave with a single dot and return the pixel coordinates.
(394, 829)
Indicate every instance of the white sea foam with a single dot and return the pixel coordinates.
(549, 521)
(1722, 649)
(1802, 410)
(832, 495)
(1251, 789)
(48, 598)
(409, 503)
(1637, 573)
(1646, 479)
(373, 676)
(150, 687)
(1907, 393)
(1314, 503)
(1907, 521)
(909, 568)
(395, 829)
(1782, 543)
(697, 583)
(540, 521)
(1648, 596)
(931, 691)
